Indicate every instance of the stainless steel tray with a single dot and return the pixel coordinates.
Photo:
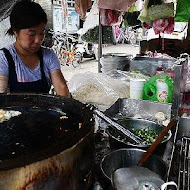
(130, 107)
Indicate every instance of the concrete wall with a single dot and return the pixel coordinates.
(4, 38)
(47, 6)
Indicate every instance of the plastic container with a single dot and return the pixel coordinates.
(108, 64)
(136, 88)
(162, 90)
(115, 61)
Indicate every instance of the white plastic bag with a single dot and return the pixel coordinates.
(92, 19)
(98, 89)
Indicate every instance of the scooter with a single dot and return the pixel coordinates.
(86, 49)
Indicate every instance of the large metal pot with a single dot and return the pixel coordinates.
(44, 153)
(119, 141)
(127, 157)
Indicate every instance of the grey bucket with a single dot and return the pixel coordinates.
(119, 61)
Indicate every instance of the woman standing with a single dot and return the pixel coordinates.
(26, 66)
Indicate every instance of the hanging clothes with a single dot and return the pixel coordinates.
(81, 7)
(120, 5)
(108, 17)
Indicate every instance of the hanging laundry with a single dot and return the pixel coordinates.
(163, 25)
(81, 7)
(108, 17)
(120, 5)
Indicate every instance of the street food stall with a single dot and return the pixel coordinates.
(126, 127)
(167, 56)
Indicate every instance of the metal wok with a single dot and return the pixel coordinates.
(41, 151)
(131, 123)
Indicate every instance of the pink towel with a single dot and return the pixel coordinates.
(81, 7)
(120, 5)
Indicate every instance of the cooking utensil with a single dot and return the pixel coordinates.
(117, 140)
(140, 178)
(121, 129)
(156, 142)
(135, 177)
(140, 175)
(41, 151)
(153, 170)
(127, 157)
(39, 133)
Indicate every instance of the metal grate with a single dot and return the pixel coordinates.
(184, 165)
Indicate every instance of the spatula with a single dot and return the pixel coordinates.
(119, 128)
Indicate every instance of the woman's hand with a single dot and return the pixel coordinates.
(3, 84)
(59, 83)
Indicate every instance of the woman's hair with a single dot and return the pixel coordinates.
(26, 14)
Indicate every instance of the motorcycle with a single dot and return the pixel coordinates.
(86, 49)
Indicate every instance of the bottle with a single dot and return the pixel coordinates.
(159, 69)
(162, 90)
(170, 70)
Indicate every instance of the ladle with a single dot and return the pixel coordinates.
(119, 128)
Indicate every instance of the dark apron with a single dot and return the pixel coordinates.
(39, 86)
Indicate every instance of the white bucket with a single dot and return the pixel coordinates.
(136, 88)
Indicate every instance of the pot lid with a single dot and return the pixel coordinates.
(136, 177)
(44, 127)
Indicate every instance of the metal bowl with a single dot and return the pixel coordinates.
(120, 141)
(127, 157)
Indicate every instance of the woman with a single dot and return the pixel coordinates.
(26, 66)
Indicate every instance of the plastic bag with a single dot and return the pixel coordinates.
(155, 10)
(144, 16)
(164, 10)
(108, 17)
(93, 15)
(150, 88)
(182, 11)
(97, 89)
(163, 25)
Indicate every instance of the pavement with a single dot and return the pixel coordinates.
(91, 65)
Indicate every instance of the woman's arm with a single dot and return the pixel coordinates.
(59, 83)
(3, 84)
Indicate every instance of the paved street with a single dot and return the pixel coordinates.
(92, 65)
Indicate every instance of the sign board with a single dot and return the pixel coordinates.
(59, 22)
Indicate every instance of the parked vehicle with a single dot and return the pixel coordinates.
(64, 45)
(86, 49)
(69, 55)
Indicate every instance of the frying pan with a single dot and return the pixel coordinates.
(38, 132)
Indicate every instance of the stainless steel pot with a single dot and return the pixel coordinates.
(115, 165)
(141, 178)
(127, 157)
(40, 152)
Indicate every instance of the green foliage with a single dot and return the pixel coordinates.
(182, 11)
(92, 35)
